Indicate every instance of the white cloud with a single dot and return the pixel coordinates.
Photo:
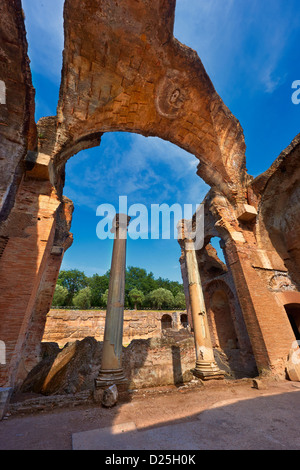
(241, 43)
(146, 170)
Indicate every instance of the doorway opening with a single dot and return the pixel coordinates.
(293, 313)
(184, 320)
(166, 322)
(220, 308)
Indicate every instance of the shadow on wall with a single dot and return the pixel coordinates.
(147, 363)
(177, 368)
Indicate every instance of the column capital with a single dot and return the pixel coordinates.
(185, 230)
(120, 221)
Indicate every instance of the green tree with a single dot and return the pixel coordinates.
(74, 280)
(161, 298)
(172, 286)
(179, 301)
(98, 285)
(136, 297)
(139, 278)
(136, 278)
(105, 298)
(83, 298)
(60, 296)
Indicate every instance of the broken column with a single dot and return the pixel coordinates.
(206, 367)
(111, 371)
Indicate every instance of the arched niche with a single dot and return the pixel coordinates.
(220, 307)
(184, 320)
(166, 322)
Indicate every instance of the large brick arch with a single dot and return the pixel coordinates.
(123, 70)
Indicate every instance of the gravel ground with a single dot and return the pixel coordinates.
(229, 415)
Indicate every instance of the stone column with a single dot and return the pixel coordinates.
(111, 371)
(185, 281)
(206, 367)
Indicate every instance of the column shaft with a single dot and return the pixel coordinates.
(206, 367)
(111, 366)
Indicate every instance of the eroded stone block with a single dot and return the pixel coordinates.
(246, 213)
(293, 364)
(110, 396)
(42, 168)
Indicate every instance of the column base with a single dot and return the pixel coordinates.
(110, 377)
(208, 371)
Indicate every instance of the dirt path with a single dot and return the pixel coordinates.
(276, 406)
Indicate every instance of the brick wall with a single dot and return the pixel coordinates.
(63, 326)
(22, 266)
(267, 324)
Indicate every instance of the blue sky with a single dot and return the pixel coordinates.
(250, 49)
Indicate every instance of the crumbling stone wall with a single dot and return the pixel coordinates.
(17, 126)
(261, 254)
(148, 363)
(63, 326)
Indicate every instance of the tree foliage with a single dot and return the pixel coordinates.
(160, 298)
(74, 280)
(83, 298)
(139, 288)
(136, 297)
(138, 278)
(98, 285)
(60, 296)
(179, 301)
(104, 298)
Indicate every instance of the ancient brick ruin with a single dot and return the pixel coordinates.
(63, 326)
(123, 70)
